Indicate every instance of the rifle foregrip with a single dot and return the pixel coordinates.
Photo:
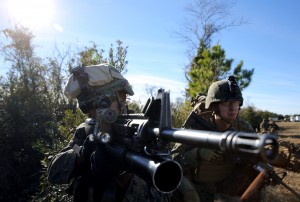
(254, 186)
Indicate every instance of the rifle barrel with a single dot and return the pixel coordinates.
(290, 189)
(163, 173)
(264, 146)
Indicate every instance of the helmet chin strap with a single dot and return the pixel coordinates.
(123, 105)
(226, 121)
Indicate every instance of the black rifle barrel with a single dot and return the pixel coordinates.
(264, 146)
(163, 173)
(290, 189)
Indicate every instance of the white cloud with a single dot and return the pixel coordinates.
(139, 82)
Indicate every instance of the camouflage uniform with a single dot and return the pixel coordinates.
(273, 127)
(208, 177)
(214, 179)
(64, 169)
(264, 126)
(76, 167)
(288, 157)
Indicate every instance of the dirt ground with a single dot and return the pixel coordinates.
(288, 131)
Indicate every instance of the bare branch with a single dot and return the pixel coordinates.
(207, 18)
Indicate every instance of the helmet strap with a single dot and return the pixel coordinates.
(123, 105)
(227, 122)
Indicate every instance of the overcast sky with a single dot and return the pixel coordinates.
(269, 42)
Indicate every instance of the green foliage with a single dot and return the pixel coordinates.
(37, 120)
(134, 106)
(118, 59)
(255, 116)
(69, 122)
(211, 65)
(249, 114)
(180, 111)
(91, 55)
(30, 104)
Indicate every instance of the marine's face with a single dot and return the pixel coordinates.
(229, 110)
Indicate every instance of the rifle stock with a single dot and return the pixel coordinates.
(266, 173)
(254, 187)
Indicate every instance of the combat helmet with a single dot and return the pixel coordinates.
(222, 91)
(87, 83)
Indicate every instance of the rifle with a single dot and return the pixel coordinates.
(141, 142)
(266, 173)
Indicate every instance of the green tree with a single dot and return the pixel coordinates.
(36, 118)
(134, 106)
(249, 114)
(92, 55)
(211, 65)
(255, 116)
(206, 19)
(30, 95)
(117, 58)
(180, 111)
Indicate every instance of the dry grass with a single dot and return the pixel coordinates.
(289, 131)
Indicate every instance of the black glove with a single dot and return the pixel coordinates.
(88, 148)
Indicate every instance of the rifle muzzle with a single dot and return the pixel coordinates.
(163, 173)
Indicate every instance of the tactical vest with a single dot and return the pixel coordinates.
(210, 171)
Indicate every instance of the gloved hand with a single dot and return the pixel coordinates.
(108, 158)
(209, 154)
(88, 148)
(100, 162)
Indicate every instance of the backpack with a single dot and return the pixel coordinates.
(198, 103)
(195, 121)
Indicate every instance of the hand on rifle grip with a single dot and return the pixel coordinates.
(88, 148)
(208, 154)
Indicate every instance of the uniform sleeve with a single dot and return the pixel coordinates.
(241, 125)
(187, 157)
(61, 167)
(63, 164)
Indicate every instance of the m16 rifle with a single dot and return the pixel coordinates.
(140, 143)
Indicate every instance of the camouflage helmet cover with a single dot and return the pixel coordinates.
(88, 82)
(222, 91)
(96, 79)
